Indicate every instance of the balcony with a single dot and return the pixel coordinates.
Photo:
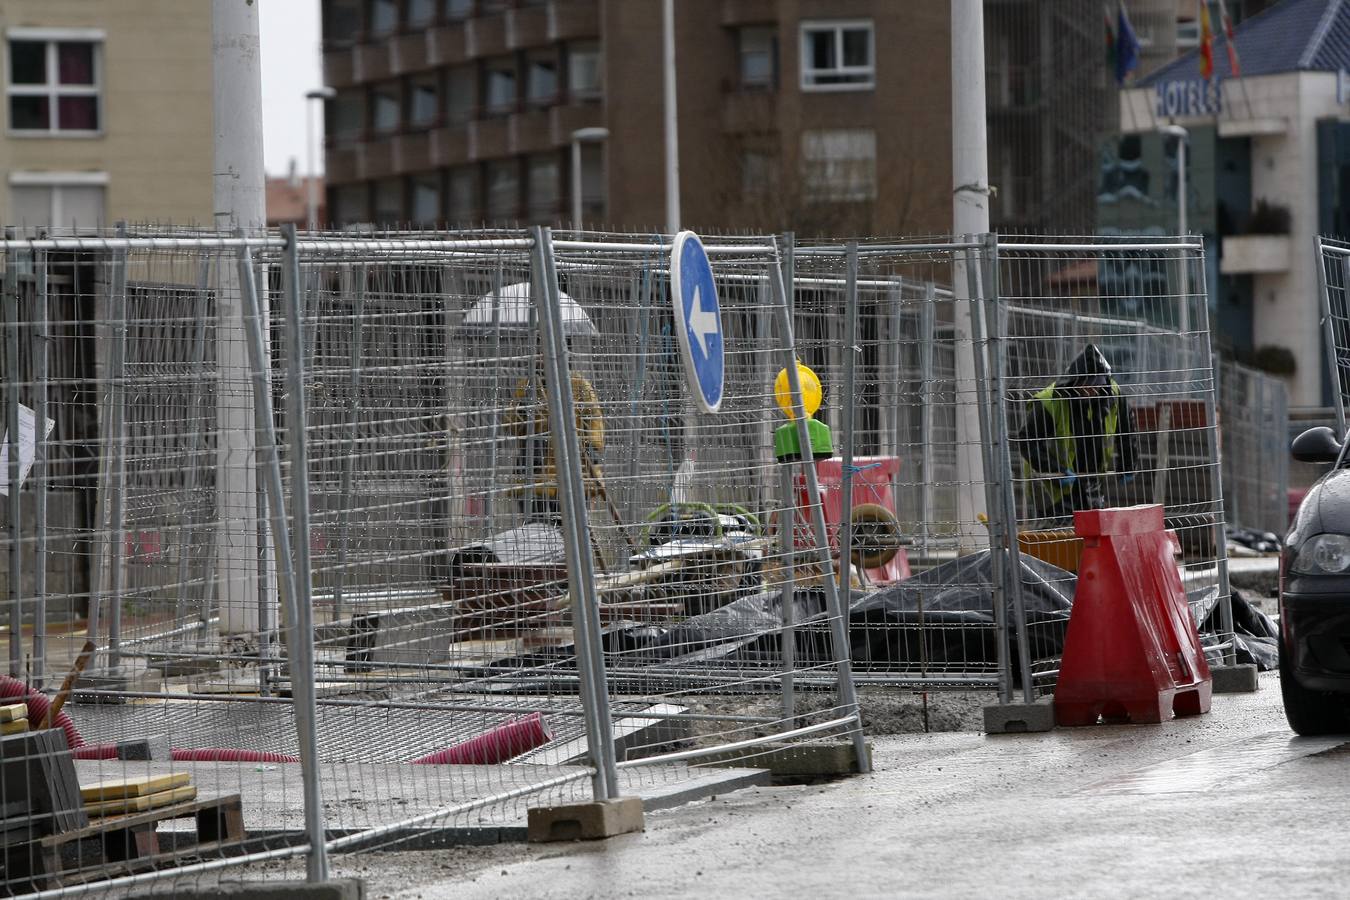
(411, 152)
(489, 138)
(749, 112)
(748, 12)
(531, 131)
(569, 20)
(447, 46)
(408, 53)
(527, 27)
(337, 67)
(342, 164)
(449, 146)
(486, 36)
(376, 158)
(371, 62)
(1255, 254)
(563, 120)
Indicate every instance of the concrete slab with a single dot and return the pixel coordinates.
(788, 762)
(1020, 718)
(1239, 679)
(586, 821)
(336, 889)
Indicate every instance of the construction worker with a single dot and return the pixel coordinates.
(1079, 429)
(540, 493)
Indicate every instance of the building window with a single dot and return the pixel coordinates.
(759, 173)
(593, 181)
(837, 56)
(426, 199)
(381, 16)
(541, 84)
(421, 13)
(543, 187)
(53, 84)
(341, 21)
(388, 202)
(459, 93)
(455, 10)
(1188, 34)
(73, 201)
(839, 166)
(384, 107)
(757, 46)
(503, 190)
(348, 204)
(584, 80)
(345, 116)
(463, 195)
(424, 102)
(499, 92)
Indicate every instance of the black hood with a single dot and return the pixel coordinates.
(1089, 369)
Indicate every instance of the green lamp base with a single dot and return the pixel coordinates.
(787, 443)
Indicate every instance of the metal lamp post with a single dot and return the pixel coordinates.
(580, 136)
(1183, 140)
(311, 192)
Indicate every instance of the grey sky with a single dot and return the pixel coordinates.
(289, 30)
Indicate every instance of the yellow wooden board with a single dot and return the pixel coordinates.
(13, 711)
(117, 788)
(140, 804)
(18, 726)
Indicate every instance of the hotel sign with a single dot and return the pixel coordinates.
(1183, 99)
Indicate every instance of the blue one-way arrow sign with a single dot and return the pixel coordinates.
(698, 320)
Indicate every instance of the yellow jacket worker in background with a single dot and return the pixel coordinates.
(538, 462)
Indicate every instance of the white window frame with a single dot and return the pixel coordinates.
(867, 73)
(55, 181)
(53, 89)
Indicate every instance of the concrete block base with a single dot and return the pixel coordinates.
(1019, 718)
(585, 821)
(796, 761)
(1234, 679)
(334, 889)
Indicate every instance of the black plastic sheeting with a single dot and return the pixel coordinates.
(953, 603)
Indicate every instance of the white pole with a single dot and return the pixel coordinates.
(970, 215)
(576, 183)
(239, 200)
(672, 124)
(311, 203)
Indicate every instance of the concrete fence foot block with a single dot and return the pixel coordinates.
(1234, 679)
(334, 889)
(1019, 718)
(792, 761)
(585, 821)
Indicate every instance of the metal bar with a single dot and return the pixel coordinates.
(998, 525)
(848, 697)
(109, 244)
(14, 379)
(619, 247)
(41, 345)
(1013, 247)
(887, 249)
(195, 439)
(358, 294)
(701, 752)
(301, 631)
(1216, 478)
(927, 337)
(787, 529)
(490, 524)
(572, 495)
(1328, 331)
(848, 404)
(117, 442)
(1004, 470)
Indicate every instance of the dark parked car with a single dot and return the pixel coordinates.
(1315, 595)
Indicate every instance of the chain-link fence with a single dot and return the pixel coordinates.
(1333, 271)
(378, 541)
(1254, 445)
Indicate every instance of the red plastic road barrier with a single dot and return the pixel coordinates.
(228, 754)
(1131, 653)
(498, 745)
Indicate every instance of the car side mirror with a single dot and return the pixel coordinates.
(1316, 445)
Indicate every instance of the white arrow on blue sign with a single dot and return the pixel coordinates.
(698, 320)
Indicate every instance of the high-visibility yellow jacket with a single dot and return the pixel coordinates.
(542, 470)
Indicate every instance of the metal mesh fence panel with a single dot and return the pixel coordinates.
(1253, 429)
(1109, 388)
(1334, 276)
(927, 615)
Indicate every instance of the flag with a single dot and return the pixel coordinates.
(1206, 43)
(1230, 39)
(1127, 47)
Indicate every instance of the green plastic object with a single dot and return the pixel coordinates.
(787, 446)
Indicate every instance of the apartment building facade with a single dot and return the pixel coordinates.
(107, 116)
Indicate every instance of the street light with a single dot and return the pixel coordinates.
(578, 137)
(1183, 139)
(311, 189)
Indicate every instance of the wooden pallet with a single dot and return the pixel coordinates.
(122, 845)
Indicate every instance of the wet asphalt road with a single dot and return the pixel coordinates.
(1229, 804)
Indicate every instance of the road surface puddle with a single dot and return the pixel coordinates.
(1207, 770)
